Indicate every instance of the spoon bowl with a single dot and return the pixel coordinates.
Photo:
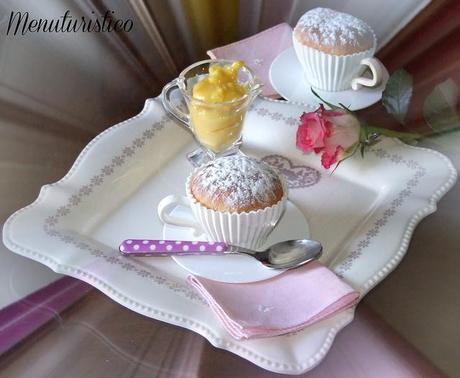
(286, 254)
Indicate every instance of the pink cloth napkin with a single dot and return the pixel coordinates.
(286, 303)
(258, 52)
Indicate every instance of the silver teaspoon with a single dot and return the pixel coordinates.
(283, 255)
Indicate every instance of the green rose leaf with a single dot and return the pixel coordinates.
(397, 94)
(439, 108)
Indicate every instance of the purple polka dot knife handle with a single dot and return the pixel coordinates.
(146, 247)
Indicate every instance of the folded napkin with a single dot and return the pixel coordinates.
(258, 52)
(279, 305)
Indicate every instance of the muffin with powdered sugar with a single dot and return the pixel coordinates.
(237, 184)
(333, 32)
(331, 46)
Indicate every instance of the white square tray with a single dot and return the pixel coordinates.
(364, 214)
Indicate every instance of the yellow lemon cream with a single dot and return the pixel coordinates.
(216, 123)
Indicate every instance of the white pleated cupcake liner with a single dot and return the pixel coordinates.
(330, 72)
(246, 229)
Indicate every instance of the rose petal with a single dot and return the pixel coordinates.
(311, 132)
(345, 131)
(330, 157)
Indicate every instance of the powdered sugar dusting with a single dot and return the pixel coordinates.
(238, 183)
(331, 28)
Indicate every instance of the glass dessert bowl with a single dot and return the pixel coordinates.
(217, 94)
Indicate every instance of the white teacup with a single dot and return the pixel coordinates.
(338, 72)
(246, 229)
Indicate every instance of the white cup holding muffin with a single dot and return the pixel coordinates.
(235, 199)
(334, 49)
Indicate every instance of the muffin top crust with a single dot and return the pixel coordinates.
(334, 32)
(236, 183)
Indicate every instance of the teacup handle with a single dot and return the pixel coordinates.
(164, 213)
(169, 107)
(376, 68)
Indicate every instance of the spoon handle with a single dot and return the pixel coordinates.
(147, 247)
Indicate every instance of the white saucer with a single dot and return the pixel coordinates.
(236, 268)
(287, 78)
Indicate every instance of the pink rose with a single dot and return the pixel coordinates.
(331, 133)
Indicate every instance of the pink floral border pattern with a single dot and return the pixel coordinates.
(51, 223)
(276, 116)
(389, 212)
